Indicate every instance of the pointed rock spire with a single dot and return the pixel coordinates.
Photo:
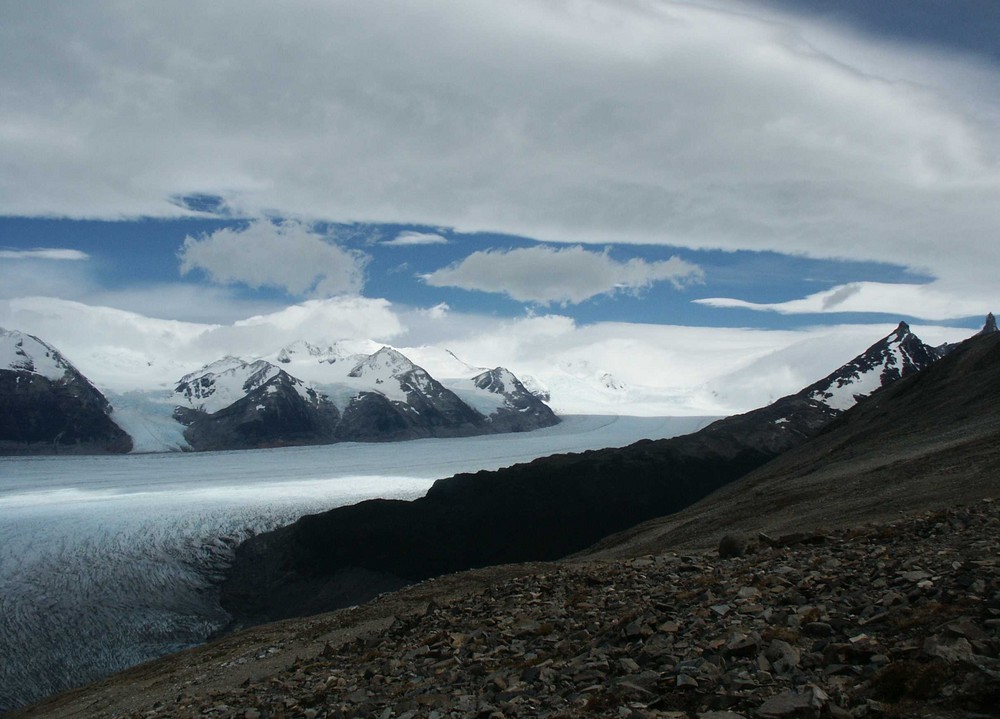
(989, 327)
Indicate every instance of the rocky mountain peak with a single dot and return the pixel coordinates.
(384, 364)
(990, 326)
(219, 384)
(898, 354)
(498, 380)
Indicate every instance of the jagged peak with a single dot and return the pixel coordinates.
(989, 327)
(499, 380)
(896, 355)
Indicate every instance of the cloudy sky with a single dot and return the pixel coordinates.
(454, 170)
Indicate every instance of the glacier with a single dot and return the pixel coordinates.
(110, 561)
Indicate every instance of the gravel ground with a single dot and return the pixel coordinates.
(886, 619)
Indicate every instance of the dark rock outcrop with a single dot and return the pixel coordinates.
(541, 510)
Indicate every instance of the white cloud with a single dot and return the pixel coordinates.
(438, 311)
(657, 369)
(409, 238)
(587, 121)
(122, 350)
(287, 255)
(44, 253)
(665, 369)
(80, 282)
(932, 301)
(568, 275)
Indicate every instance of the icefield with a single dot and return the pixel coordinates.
(110, 561)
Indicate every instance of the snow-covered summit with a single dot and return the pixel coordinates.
(223, 382)
(300, 350)
(27, 353)
(385, 364)
(898, 354)
(499, 380)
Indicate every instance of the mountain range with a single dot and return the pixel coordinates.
(350, 395)
(850, 604)
(542, 510)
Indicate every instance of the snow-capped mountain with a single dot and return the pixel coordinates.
(304, 359)
(358, 390)
(221, 383)
(899, 354)
(25, 353)
(788, 421)
(275, 409)
(401, 400)
(514, 407)
(46, 405)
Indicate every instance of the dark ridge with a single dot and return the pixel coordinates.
(541, 510)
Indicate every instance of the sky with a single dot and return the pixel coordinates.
(650, 177)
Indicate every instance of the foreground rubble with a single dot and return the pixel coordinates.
(899, 619)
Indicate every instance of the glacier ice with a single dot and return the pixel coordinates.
(108, 561)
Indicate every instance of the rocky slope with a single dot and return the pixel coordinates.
(893, 619)
(542, 510)
(47, 406)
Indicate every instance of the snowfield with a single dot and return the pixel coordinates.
(106, 562)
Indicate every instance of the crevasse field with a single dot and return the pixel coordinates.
(106, 562)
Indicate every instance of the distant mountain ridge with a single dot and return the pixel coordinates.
(357, 390)
(542, 510)
(383, 396)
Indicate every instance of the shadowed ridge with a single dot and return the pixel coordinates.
(927, 441)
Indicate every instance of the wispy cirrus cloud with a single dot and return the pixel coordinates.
(930, 301)
(409, 238)
(44, 253)
(559, 274)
